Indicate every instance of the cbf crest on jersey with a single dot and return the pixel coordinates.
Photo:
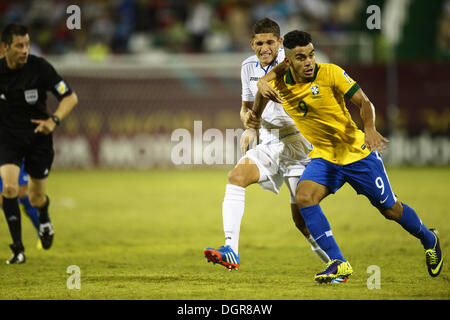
(315, 90)
(61, 87)
(31, 96)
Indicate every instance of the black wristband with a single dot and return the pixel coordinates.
(56, 120)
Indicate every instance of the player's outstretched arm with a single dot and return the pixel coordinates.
(65, 107)
(254, 114)
(373, 139)
(264, 86)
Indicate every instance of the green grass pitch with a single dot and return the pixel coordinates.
(141, 235)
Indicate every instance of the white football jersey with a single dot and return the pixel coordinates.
(274, 115)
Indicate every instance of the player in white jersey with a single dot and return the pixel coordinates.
(281, 155)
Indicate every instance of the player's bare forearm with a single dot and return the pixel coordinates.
(373, 139)
(266, 89)
(367, 112)
(254, 114)
(243, 112)
(259, 104)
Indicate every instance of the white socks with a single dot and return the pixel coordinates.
(232, 212)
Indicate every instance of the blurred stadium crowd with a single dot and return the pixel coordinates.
(130, 26)
(130, 56)
(176, 25)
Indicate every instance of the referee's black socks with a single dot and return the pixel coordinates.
(43, 211)
(12, 214)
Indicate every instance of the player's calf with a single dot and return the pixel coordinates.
(393, 213)
(10, 190)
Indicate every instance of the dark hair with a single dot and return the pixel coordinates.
(266, 26)
(11, 30)
(296, 38)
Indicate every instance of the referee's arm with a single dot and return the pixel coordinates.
(64, 108)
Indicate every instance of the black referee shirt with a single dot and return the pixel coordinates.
(23, 92)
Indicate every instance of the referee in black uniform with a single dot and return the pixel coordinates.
(26, 130)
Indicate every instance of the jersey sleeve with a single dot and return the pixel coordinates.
(247, 94)
(343, 83)
(53, 81)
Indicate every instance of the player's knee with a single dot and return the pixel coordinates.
(37, 200)
(304, 199)
(10, 190)
(238, 178)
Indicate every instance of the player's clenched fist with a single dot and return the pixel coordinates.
(251, 120)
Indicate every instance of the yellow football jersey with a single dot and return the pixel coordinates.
(319, 111)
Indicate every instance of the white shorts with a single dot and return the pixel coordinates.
(278, 159)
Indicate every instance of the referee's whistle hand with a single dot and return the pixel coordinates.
(44, 126)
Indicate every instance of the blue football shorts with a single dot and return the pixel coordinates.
(367, 176)
(23, 178)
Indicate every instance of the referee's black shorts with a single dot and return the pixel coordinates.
(35, 149)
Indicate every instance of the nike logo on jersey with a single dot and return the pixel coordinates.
(383, 201)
